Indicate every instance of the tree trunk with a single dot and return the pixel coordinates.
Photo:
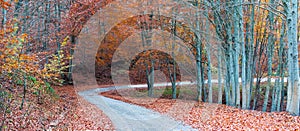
(4, 19)
(198, 57)
(251, 59)
(242, 44)
(220, 75)
(208, 46)
(293, 98)
(270, 51)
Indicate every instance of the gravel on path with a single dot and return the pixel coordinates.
(129, 117)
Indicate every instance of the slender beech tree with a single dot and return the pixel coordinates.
(146, 36)
(206, 26)
(241, 39)
(277, 98)
(173, 70)
(198, 46)
(270, 50)
(293, 90)
(250, 55)
(236, 53)
(220, 72)
(4, 19)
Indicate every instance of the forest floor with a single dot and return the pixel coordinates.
(68, 111)
(205, 115)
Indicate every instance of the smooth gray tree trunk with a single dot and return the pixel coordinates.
(236, 54)
(293, 96)
(270, 50)
(220, 92)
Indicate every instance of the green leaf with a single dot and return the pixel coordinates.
(8, 111)
(19, 82)
(51, 90)
(4, 127)
(36, 93)
(47, 84)
(32, 78)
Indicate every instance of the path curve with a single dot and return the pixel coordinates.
(129, 117)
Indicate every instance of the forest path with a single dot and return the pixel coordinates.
(128, 117)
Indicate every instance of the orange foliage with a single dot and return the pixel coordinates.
(24, 69)
(4, 4)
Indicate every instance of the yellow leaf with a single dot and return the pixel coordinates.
(65, 41)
